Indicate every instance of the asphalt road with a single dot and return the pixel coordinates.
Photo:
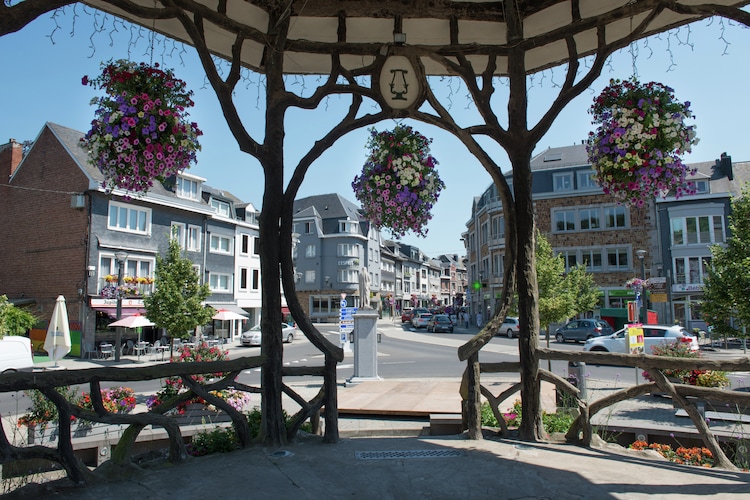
(404, 352)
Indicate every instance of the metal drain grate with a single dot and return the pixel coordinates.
(394, 454)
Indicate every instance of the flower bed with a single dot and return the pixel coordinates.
(140, 133)
(399, 184)
(640, 137)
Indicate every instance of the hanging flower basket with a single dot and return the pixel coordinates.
(638, 284)
(140, 133)
(640, 137)
(399, 183)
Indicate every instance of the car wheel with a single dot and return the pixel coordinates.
(559, 337)
(509, 333)
(451, 330)
(290, 338)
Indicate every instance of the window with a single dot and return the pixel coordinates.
(592, 259)
(245, 244)
(586, 180)
(220, 282)
(177, 233)
(194, 238)
(617, 258)
(348, 276)
(310, 251)
(346, 226)
(498, 227)
(589, 218)
(129, 218)
(691, 270)
(221, 207)
(243, 278)
(256, 246)
(256, 279)
(563, 182)
(221, 244)
(565, 220)
(701, 186)
(570, 257)
(614, 217)
(347, 250)
(497, 264)
(309, 227)
(702, 230)
(187, 188)
(310, 276)
(135, 267)
(483, 233)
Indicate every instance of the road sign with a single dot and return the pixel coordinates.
(343, 303)
(343, 337)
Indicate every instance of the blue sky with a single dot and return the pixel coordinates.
(43, 66)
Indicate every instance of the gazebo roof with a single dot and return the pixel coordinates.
(360, 29)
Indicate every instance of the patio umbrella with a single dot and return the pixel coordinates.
(57, 343)
(135, 321)
(225, 315)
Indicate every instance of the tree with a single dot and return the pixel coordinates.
(177, 301)
(13, 320)
(561, 294)
(726, 288)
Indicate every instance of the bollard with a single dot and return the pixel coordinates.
(577, 377)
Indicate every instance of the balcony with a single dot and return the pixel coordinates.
(131, 287)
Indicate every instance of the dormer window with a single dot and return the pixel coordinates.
(348, 227)
(188, 187)
(701, 186)
(220, 207)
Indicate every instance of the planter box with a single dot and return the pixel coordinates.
(196, 414)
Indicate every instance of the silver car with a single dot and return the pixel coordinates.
(580, 330)
(509, 328)
(652, 335)
(253, 336)
(421, 320)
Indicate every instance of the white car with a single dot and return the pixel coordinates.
(509, 328)
(652, 335)
(253, 335)
(421, 320)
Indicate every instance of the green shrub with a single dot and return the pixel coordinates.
(218, 440)
(553, 422)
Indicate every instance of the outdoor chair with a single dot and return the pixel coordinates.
(89, 351)
(130, 347)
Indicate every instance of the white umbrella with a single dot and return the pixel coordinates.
(225, 315)
(135, 321)
(57, 343)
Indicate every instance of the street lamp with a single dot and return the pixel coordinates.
(641, 254)
(120, 257)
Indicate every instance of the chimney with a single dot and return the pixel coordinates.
(725, 166)
(11, 155)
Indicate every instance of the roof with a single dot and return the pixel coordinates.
(327, 206)
(561, 157)
(361, 30)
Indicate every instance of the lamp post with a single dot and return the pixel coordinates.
(120, 257)
(641, 254)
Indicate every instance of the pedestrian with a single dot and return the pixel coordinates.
(479, 320)
(466, 318)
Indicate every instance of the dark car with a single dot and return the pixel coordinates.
(440, 323)
(581, 330)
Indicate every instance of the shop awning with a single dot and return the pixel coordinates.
(229, 307)
(126, 311)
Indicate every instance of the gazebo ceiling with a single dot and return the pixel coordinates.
(360, 29)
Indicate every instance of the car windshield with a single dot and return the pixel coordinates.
(256, 328)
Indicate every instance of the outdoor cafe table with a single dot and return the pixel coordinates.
(106, 350)
(140, 348)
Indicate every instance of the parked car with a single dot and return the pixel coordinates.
(440, 323)
(253, 335)
(406, 316)
(580, 330)
(509, 328)
(416, 311)
(15, 354)
(420, 320)
(652, 335)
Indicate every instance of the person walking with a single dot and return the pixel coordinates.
(479, 320)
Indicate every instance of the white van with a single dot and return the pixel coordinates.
(15, 354)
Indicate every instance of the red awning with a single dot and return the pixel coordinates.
(126, 311)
